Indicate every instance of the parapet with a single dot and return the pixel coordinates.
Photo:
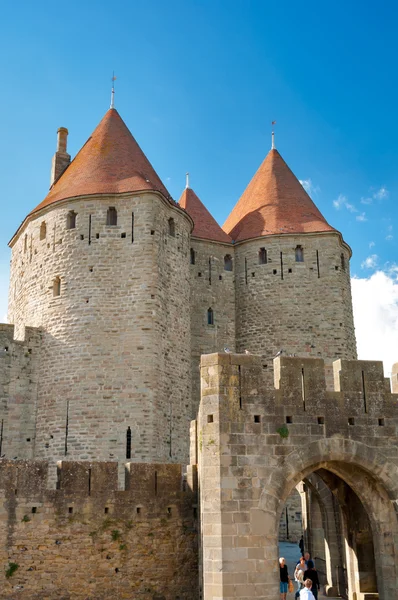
(236, 380)
(83, 480)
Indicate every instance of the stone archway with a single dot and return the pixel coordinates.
(373, 479)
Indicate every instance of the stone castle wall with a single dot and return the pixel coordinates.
(116, 340)
(88, 541)
(212, 286)
(304, 307)
(256, 443)
(18, 391)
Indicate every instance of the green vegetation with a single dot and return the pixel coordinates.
(283, 431)
(12, 567)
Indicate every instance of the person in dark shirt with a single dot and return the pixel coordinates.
(284, 578)
(312, 574)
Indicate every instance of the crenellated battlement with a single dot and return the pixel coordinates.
(81, 480)
(299, 383)
(95, 540)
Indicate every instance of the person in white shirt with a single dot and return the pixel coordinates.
(305, 593)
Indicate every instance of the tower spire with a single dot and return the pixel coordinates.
(273, 136)
(113, 90)
(186, 181)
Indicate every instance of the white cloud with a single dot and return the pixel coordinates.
(361, 217)
(371, 244)
(341, 201)
(375, 302)
(370, 262)
(389, 237)
(309, 187)
(380, 194)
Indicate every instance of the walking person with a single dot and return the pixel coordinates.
(301, 545)
(306, 593)
(311, 573)
(284, 578)
(299, 571)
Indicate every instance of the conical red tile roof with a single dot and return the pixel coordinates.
(274, 202)
(110, 162)
(205, 226)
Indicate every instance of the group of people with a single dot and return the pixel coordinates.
(305, 576)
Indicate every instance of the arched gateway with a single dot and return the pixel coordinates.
(256, 444)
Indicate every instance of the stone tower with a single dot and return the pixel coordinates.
(292, 271)
(101, 267)
(212, 280)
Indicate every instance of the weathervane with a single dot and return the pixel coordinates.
(273, 136)
(113, 90)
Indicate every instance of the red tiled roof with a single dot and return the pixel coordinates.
(274, 202)
(205, 226)
(110, 162)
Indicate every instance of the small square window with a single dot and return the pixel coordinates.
(289, 419)
(106, 510)
(210, 418)
(34, 509)
(321, 420)
(138, 510)
(274, 272)
(381, 422)
(351, 421)
(257, 418)
(289, 270)
(123, 235)
(70, 510)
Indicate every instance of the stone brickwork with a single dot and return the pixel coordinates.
(290, 524)
(212, 287)
(303, 308)
(116, 340)
(256, 443)
(87, 540)
(18, 391)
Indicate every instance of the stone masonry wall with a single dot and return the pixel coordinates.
(88, 541)
(256, 443)
(304, 307)
(18, 391)
(290, 524)
(116, 341)
(212, 286)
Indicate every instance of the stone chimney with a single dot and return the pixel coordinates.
(61, 158)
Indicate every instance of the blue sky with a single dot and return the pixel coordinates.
(198, 83)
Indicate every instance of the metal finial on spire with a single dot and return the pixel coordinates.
(113, 90)
(186, 181)
(273, 136)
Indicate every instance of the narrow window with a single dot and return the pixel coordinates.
(227, 262)
(71, 220)
(262, 256)
(342, 262)
(43, 230)
(172, 227)
(209, 270)
(128, 443)
(192, 255)
(25, 243)
(111, 216)
(132, 227)
(57, 287)
(299, 254)
(210, 317)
